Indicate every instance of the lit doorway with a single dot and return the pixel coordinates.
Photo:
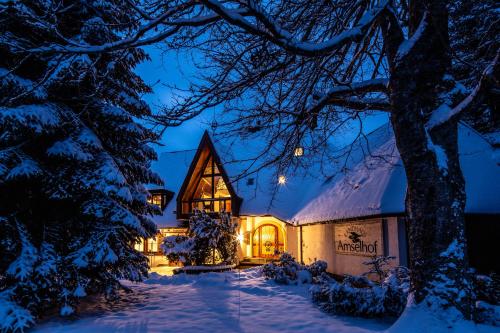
(267, 242)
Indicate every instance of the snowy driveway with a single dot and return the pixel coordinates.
(212, 302)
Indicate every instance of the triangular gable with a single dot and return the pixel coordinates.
(206, 161)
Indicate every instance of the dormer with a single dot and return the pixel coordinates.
(207, 186)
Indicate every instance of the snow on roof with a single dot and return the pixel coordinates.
(376, 186)
(371, 181)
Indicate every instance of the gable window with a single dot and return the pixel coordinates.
(160, 198)
(211, 193)
(155, 199)
(206, 186)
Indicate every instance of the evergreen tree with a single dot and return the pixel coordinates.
(475, 41)
(73, 157)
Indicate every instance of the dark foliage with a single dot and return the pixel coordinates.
(209, 241)
(72, 157)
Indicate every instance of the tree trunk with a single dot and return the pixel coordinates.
(435, 198)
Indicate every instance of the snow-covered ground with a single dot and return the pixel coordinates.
(226, 302)
(211, 302)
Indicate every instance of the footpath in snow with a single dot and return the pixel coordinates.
(211, 302)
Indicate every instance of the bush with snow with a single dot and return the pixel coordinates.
(209, 241)
(360, 296)
(178, 249)
(287, 271)
(487, 291)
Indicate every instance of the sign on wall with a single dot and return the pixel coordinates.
(361, 239)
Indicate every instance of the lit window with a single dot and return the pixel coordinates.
(299, 151)
(160, 198)
(281, 180)
(152, 244)
(155, 199)
(211, 193)
(139, 246)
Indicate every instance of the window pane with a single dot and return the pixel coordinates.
(204, 189)
(208, 168)
(202, 205)
(216, 170)
(155, 199)
(139, 246)
(152, 245)
(218, 205)
(220, 188)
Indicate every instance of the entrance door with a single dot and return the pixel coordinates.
(267, 242)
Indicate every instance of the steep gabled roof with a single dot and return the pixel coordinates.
(205, 149)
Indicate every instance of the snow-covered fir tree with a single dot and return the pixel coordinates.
(73, 157)
(209, 241)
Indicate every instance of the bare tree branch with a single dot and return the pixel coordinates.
(283, 38)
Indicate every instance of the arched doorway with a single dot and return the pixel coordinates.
(267, 241)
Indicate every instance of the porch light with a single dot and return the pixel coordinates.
(299, 151)
(282, 180)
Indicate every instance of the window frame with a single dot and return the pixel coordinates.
(165, 195)
(212, 199)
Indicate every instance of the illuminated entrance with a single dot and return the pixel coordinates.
(267, 242)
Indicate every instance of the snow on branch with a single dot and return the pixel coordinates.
(139, 38)
(282, 37)
(334, 96)
(407, 45)
(360, 87)
(444, 113)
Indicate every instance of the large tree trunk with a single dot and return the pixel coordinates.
(436, 189)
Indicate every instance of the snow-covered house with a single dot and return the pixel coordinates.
(356, 213)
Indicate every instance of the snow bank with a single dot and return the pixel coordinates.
(421, 319)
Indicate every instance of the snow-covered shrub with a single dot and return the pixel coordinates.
(178, 248)
(208, 241)
(360, 296)
(487, 288)
(486, 313)
(73, 157)
(287, 271)
(379, 266)
(317, 268)
(487, 291)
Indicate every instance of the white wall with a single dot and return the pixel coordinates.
(318, 243)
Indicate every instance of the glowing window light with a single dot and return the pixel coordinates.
(240, 237)
(299, 151)
(282, 180)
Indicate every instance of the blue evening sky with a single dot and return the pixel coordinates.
(173, 68)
